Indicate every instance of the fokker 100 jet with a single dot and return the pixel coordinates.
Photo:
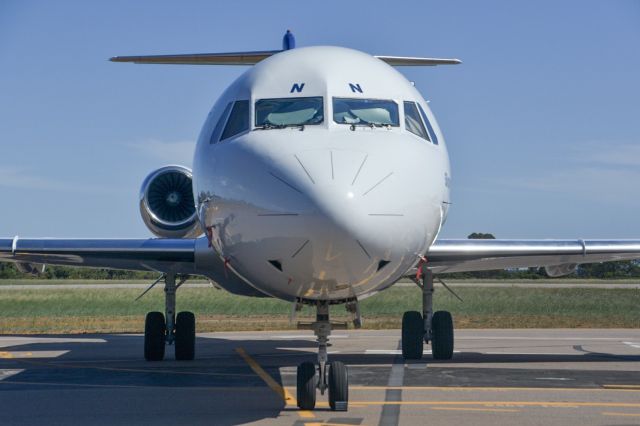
(320, 177)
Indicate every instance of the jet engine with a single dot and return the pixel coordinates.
(166, 203)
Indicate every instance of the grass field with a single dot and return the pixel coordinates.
(114, 310)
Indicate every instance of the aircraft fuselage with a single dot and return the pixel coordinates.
(332, 210)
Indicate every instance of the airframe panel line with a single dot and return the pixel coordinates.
(275, 386)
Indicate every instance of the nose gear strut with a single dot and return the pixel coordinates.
(331, 376)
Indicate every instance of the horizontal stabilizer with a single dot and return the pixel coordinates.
(233, 58)
(252, 58)
(410, 61)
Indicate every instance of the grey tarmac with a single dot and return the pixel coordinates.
(526, 377)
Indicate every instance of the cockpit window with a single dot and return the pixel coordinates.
(413, 122)
(375, 112)
(434, 137)
(238, 121)
(284, 112)
(215, 136)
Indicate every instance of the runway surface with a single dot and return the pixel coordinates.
(525, 377)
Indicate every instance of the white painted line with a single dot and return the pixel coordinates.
(553, 378)
(539, 338)
(19, 340)
(632, 344)
(395, 351)
(529, 353)
(8, 373)
(309, 336)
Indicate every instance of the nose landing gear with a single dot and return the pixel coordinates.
(419, 328)
(330, 376)
(169, 329)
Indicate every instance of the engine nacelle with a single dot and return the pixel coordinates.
(166, 203)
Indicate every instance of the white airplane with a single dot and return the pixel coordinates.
(320, 177)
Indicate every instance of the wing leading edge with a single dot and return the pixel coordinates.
(481, 255)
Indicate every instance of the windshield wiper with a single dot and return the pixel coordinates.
(268, 125)
(369, 124)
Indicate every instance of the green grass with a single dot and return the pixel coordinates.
(114, 310)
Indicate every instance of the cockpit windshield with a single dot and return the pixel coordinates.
(375, 112)
(285, 112)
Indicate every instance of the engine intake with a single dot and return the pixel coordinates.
(166, 203)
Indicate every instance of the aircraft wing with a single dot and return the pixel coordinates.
(163, 255)
(560, 257)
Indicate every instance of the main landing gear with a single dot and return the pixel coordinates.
(170, 329)
(325, 375)
(419, 328)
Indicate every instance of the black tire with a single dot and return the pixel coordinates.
(154, 336)
(307, 386)
(412, 335)
(442, 335)
(338, 386)
(185, 336)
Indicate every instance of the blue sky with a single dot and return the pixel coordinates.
(542, 119)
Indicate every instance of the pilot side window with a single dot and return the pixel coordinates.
(365, 112)
(434, 137)
(238, 121)
(413, 122)
(215, 136)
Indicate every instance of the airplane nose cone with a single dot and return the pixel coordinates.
(329, 223)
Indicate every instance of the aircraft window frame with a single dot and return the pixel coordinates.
(290, 98)
(221, 124)
(397, 111)
(243, 126)
(432, 132)
(416, 116)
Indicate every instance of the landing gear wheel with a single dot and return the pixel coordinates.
(442, 335)
(338, 386)
(412, 335)
(154, 336)
(307, 386)
(185, 339)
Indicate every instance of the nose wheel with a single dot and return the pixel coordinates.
(332, 377)
(170, 329)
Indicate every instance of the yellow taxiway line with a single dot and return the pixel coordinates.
(605, 413)
(565, 404)
(490, 410)
(283, 393)
(622, 387)
(632, 388)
